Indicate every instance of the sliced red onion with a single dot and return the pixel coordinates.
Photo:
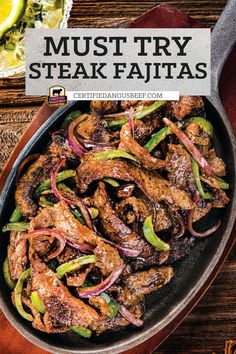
(96, 145)
(76, 147)
(53, 179)
(182, 229)
(73, 142)
(189, 146)
(194, 233)
(81, 248)
(117, 115)
(129, 252)
(130, 317)
(83, 208)
(131, 121)
(103, 286)
(200, 234)
(76, 201)
(49, 232)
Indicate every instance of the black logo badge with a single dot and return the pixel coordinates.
(57, 96)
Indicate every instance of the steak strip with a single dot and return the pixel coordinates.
(63, 220)
(147, 160)
(120, 232)
(155, 187)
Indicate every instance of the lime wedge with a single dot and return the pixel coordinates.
(10, 13)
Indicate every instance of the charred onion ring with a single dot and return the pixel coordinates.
(129, 316)
(190, 223)
(128, 252)
(52, 233)
(103, 286)
(73, 142)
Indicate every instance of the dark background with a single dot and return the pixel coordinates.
(212, 323)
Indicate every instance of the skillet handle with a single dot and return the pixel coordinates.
(222, 41)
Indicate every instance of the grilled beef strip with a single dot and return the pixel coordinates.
(125, 191)
(104, 107)
(39, 171)
(60, 146)
(17, 254)
(34, 176)
(155, 187)
(126, 105)
(117, 322)
(119, 232)
(203, 142)
(220, 200)
(179, 168)
(77, 277)
(197, 135)
(131, 292)
(129, 143)
(63, 220)
(183, 107)
(180, 174)
(137, 208)
(68, 254)
(138, 284)
(95, 129)
(216, 163)
(133, 209)
(144, 128)
(62, 309)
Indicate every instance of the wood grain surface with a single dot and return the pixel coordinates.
(211, 327)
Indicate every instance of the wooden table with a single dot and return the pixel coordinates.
(213, 321)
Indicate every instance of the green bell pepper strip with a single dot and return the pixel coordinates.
(151, 237)
(216, 182)
(61, 176)
(65, 188)
(7, 275)
(69, 118)
(157, 138)
(17, 295)
(16, 226)
(112, 154)
(94, 212)
(117, 123)
(221, 183)
(77, 214)
(16, 215)
(82, 331)
(113, 307)
(196, 174)
(189, 145)
(164, 132)
(37, 302)
(111, 181)
(149, 109)
(44, 202)
(75, 264)
(202, 123)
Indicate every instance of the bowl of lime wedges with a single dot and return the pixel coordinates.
(15, 17)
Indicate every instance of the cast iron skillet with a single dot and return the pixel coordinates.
(166, 308)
